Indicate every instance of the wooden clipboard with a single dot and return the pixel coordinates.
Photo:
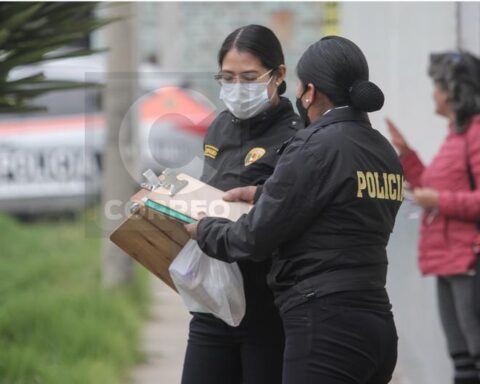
(153, 234)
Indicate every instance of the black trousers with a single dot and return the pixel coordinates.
(345, 338)
(251, 353)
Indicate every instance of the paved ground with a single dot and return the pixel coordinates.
(165, 339)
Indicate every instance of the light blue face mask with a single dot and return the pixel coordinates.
(246, 100)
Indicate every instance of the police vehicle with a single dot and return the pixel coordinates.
(52, 161)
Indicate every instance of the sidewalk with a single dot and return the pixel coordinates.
(164, 338)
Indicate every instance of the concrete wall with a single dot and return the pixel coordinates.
(397, 39)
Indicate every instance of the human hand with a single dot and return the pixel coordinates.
(398, 141)
(193, 228)
(245, 194)
(426, 198)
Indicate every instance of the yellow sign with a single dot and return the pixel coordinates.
(330, 18)
(254, 154)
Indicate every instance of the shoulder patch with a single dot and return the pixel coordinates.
(210, 151)
(253, 155)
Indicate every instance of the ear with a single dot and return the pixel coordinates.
(280, 74)
(310, 95)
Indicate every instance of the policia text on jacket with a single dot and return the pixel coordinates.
(387, 186)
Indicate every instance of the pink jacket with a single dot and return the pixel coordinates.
(447, 234)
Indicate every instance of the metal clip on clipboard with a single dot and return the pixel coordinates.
(168, 180)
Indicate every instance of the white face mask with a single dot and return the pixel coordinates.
(246, 100)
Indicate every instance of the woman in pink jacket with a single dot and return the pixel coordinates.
(450, 196)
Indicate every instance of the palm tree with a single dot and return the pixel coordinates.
(34, 32)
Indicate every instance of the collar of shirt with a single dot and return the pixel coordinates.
(331, 109)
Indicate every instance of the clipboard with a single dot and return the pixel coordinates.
(153, 233)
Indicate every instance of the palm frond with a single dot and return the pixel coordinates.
(32, 33)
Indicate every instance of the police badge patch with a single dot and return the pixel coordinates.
(254, 154)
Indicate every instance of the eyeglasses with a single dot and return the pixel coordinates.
(245, 77)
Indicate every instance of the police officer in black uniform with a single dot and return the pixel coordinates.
(329, 209)
(241, 148)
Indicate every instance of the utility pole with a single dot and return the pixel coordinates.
(120, 95)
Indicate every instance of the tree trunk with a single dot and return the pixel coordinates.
(122, 130)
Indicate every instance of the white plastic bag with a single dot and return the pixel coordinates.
(208, 285)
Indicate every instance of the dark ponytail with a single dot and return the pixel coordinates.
(259, 41)
(338, 69)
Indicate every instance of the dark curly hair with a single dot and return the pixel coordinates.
(458, 74)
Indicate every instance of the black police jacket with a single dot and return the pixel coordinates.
(245, 152)
(329, 208)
